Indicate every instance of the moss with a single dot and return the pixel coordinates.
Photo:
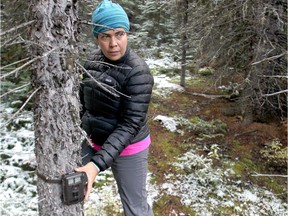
(110, 210)
(246, 167)
(239, 153)
(170, 72)
(195, 82)
(206, 71)
(275, 154)
(224, 211)
(169, 151)
(168, 203)
(101, 183)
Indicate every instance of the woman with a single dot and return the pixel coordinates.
(116, 121)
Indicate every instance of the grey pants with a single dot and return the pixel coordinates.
(130, 173)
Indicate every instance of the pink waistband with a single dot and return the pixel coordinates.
(132, 148)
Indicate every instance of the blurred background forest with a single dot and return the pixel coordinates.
(245, 41)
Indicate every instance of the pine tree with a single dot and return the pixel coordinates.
(56, 106)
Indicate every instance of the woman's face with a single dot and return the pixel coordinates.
(113, 43)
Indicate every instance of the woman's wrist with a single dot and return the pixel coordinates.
(95, 166)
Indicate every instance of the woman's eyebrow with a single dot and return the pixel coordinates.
(105, 34)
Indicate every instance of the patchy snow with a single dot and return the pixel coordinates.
(18, 185)
(199, 185)
(168, 122)
(208, 190)
(164, 87)
(165, 62)
(18, 188)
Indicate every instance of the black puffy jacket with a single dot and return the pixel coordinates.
(115, 120)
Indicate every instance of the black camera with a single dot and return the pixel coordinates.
(74, 187)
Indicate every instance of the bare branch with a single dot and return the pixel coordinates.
(22, 107)
(270, 58)
(93, 24)
(9, 41)
(85, 135)
(105, 63)
(103, 85)
(269, 175)
(275, 76)
(15, 89)
(28, 63)
(19, 68)
(22, 60)
(17, 27)
(276, 93)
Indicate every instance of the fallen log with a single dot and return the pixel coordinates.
(210, 96)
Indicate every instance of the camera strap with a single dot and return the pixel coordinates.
(48, 180)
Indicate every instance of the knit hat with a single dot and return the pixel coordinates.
(109, 15)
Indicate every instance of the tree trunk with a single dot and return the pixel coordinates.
(184, 42)
(56, 111)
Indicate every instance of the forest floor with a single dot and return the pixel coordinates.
(242, 144)
(205, 169)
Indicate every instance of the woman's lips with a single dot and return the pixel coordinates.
(113, 52)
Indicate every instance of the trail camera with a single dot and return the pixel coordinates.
(74, 186)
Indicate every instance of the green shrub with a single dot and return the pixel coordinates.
(275, 154)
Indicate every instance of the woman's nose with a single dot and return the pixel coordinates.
(113, 41)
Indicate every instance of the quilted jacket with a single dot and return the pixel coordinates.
(115, 96)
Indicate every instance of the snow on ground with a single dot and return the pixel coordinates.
(163, 85)
(208, 189)
(161, 63)
(18, 180)
(204, 188)
(17, 189)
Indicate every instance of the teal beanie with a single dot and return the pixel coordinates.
(109, 15)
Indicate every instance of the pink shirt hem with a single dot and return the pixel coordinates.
(132, 148)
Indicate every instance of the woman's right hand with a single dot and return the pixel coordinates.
(91, 172)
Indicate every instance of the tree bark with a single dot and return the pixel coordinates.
(56, 105)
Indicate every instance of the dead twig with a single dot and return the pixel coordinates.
(210, 96)
(105, 63)
(103, 86)
(28, 63)
(247, 132)
(269, 175)
(17, 27)
(9, 65)
(270, 58)
(15, 89)
(276, 93)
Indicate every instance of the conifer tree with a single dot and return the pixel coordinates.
(56, 106)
